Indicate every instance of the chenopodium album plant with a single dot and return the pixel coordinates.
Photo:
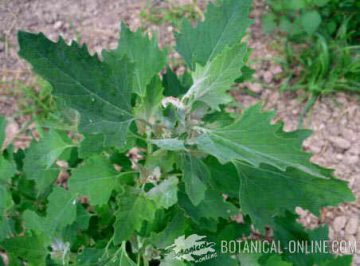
(156, 163)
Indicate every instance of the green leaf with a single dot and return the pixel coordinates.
(175, 228)
(152, 100)
(91, 144)
(286, 229)
(7, 169)
(169, 144)
(227, 232)
(253, 139)
(294, 4)
(212, 81)
(310, 21)
(165, 194)
(281, 191)
(143, 52)
(340, 260)
(6, 202)
(29, 248)
(164, 159)
(134, 208)
(218, 119)
(7, 227)
(213, 206)
(224, 178)
(249, 259)
(269, 23)
(225, 25)
(172, 84)
(89, 257)
(2, 131)
(71, 233)
(321, 2)
(41, 157)
(286, 25)
(168, 261)
(61, 212)
(123, 258)
(195, 177)
(99, 91)
(96, 179)
(276, 260)
(61, 209)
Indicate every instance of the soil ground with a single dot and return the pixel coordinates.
(335, 119)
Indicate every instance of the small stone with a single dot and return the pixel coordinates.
(277, 70)
(339, 157)
(357, 260)
(352, 226)
(58, 25)
(340, 142)
(254, 87)
(339, 223)
(351, 159)
(351, 242)
(348, 134)
(355, 149)
(268, 76)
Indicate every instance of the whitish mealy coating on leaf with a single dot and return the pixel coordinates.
(165, 193)
(148, 59)
(99, 91)
(170, 144)
(212, 81)
(96, 178)
(225, 25)
(253, 139)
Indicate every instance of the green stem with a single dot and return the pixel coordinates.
(310, 103)
(138, 259)
(148, 141)
(145, 261)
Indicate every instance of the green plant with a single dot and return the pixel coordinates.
(321, 55)
(173, 14)
(143, 170)
(304, 18)
(327, 66)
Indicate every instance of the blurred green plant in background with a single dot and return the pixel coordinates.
(304, 18)
(171, 13)
(321, 47)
